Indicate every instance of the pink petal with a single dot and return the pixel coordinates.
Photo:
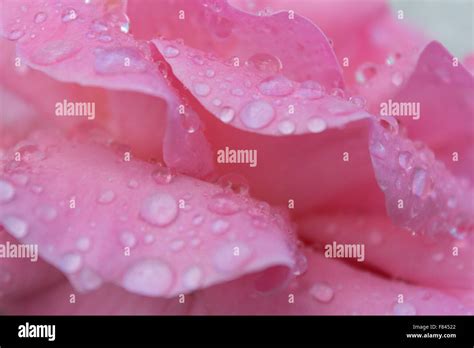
(439, 262)
(214, 26)
(421, 194)
(182, 234)
(440, 83)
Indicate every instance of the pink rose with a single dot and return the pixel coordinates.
(201, 157)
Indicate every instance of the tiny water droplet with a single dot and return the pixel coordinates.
(69, 15)
(16, 34)
(17, 227)
(162, 175)
(286, 127)
(170, 52)
(422, 183)
(397, 79)
(151, 277)
(159, 209)
(378, 149)
(128, 239)
(70, 263)
(358, 101)
(365, 73)
(226, 114)
(404, 309)
(210, 73)
(47, 213)
(192, 277)
(83, 244)
(40, 17)
(7, 191)
(198, 219)
(106, 197)
(310, 89)
(276, 86)
(265, 63)
(223, 204)
(201, 89)
(404, 160)
(220, 226)
(177, 245)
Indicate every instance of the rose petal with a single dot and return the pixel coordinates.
(100, 218)
(439, 262)
(421, 194)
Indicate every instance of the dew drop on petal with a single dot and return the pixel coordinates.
(159, 209)
(69, 15)
(7, 191)
(83, 243)
(316, 125)
(170, 52)
(322, 292)
(47, 213)
(358, 101)
(210, 73)
(162, 175)
(226, 114)
(201, 89)
(257, 114)
(128, 239)
(404, 160)
(177, 245)
(286, 127)
(70, 263)
(365, 73)
(265, 63)
(40, 17)
(106, 197)
(16, 34)
(378, 149)
(397, 79)
(404, 309)
(220, 226)
(422, 183)
(223, 204)
(276, 86)
(310, 89)
(17, 227)
(150, 277)
(192, 277)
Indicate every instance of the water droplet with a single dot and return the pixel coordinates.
(119, 60)
(106, 197)
(40, 17)
(198, 219)
(226, 114)
(128, 239)
(216, 102)
(70, 263)
(257, 114)
(16, 34)
(378, 149)
(192, 277)
(7, 191)
(365, 73)
(149, 238)
(311, 90)
(125, 27)
(201, 89)
(422, 183)
(151, 277)
(191, 122)
(133, 183)
(177, 245)
(405, 160)
(162, 175)
(238, 92)
(69, 15)
(276, 86)
(89, 280)
(159, 209)
(223, 204)
(83, 243)
(286, 127)
(220, 226)
(232, 256)
(404, 309)
(265, 63)
(338, 93)
(301, 264)
(397, 79)
(55, 51)
(210, 73)
(358, 101)
(234, 182)
(47, 213)
(17, 227)
(170, 52)
(322, 292)
(316, 125)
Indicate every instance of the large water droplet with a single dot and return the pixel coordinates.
(151, 277)
(17, 227)
(276, 86)
(231, 257)
(119, 60)
(55, 51)
(316, 125)
(106, 197)
(162, 175)
(170, 51)
(226, 114)
(40, 17)
(223, 204)
(16, 34)
(404, 309)
(220, 226)
(70, 263)
(159, 209)
(322, 292)
(234, 182)
(286, 127)
(265, 63)
(422, 183)
(358, 101)
(69, 15)
(7, 191)
(192, 277)
(201, 89)
(257, 114)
